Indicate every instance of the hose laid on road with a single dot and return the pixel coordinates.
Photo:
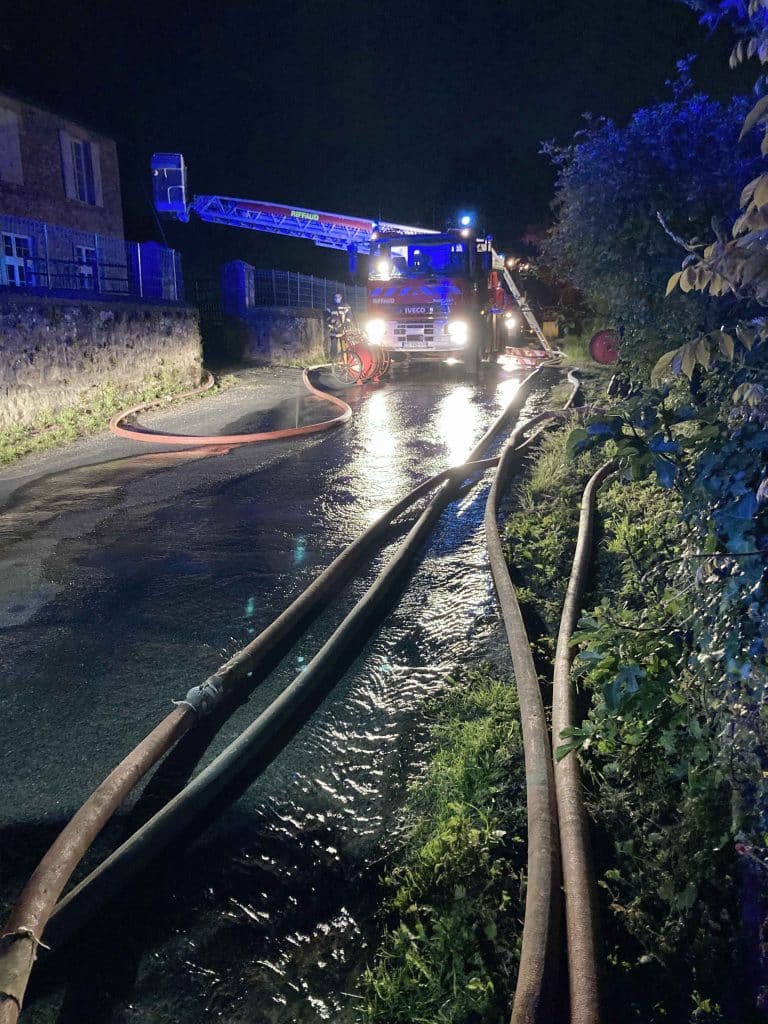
(21, 935)
(284, 713)
(537, 973)
(157, 437)
(20, 938)
(578, 874)
(22, 932)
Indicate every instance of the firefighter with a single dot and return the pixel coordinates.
(337, 318)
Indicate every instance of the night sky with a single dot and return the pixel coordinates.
(408, 110)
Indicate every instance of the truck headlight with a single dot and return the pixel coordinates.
(458, 331)
(376, 329)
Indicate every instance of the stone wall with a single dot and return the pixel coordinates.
(276, 335)
(252, 332)
(56, 353)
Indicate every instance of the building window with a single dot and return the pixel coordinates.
(85, 258)
(81, 169)
(10, 148)
(17, 260)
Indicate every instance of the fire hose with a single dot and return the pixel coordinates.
(289, 706)
(537, 972)
(558, 832)
(578, 875)
(23, 931)
(157, 437)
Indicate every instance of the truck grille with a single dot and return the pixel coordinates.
(419, 334)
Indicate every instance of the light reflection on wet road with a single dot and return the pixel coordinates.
(124, 587)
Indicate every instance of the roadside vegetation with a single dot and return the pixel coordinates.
(52, 429)
(660, 793)
(669, 783)
(672, 644)
(671, 649)
(576, 348)
(454, 905)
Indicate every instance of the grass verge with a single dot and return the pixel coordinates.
(677, 904)
(576, 347)
(450, 952)
(650, 742)
(50, 430)
(540, 535)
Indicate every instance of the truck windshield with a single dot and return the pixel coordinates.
(444, 258)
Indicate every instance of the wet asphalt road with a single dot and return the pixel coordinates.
(128, 574)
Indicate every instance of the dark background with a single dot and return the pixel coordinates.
(406, 110)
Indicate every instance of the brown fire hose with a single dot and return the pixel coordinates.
(537, 972)
(23, 930)
(578, 875)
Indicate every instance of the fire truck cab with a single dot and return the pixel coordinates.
(429, 296)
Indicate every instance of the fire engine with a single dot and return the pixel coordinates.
(431, 295)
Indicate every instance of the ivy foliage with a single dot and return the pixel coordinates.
(673, 659)
(661, 650)
(659, 793)
(676, 665)
(733, 264)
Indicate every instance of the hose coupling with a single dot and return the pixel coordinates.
(205, 697)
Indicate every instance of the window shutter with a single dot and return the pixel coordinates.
(67, 167)
(96, 164)
(10, 149)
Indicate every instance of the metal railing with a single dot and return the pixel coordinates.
(285, 288)
(42, 258)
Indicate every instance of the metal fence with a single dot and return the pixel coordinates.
(46, 258)
(285, 288)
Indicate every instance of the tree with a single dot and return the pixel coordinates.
(680, 159)
(705, 434)
(734, 264)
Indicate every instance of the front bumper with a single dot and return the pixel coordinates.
(423, 339)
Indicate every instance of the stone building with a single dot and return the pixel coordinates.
(80, 306)
(56, 170)
(61, 219)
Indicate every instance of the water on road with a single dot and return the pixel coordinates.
(127, 581)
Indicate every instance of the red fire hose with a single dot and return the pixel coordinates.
(157, 437)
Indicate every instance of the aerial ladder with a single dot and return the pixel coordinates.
(522, 302)
(328, 230)
(343, 232)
